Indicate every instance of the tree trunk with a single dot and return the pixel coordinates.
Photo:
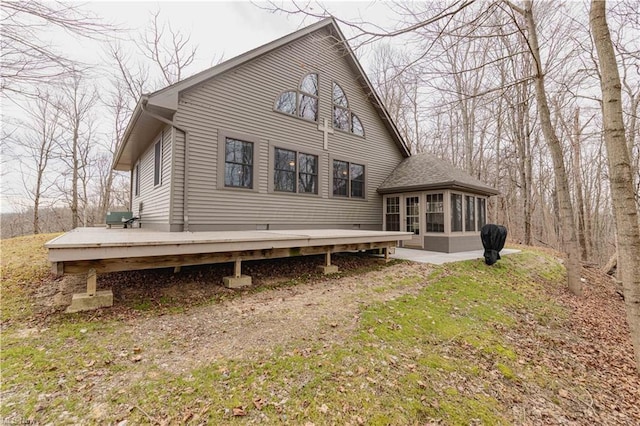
(567, 222)
(74, 180)
(577, 167)
(621, 181)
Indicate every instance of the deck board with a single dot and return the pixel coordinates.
(101, 243)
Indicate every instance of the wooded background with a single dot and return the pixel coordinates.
(538, 99)
(458, 79)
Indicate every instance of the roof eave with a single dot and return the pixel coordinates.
(137, 111)
(455, 185)
(173, 91)
(384, 114)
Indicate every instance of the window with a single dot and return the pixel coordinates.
(482, 212)
(157, 163)
(456, 213)
(435, 213)
(287, 102)
(413, 214)
(238, 163)
(284, 174)
(470, 213)
(307, 173)
(302, 102)
(348, 179)
(343, 118)
(356, 172)
(393, 214)
(290, 175)
(136, 177)
(340, 178)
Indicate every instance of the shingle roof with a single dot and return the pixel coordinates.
(426, 172)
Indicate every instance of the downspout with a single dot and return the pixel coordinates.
(185, 199)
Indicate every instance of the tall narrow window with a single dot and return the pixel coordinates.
(413, 214)
(307, 173)
(356, 174)
(302, 102)
(238, 165)
(435, 213)
(456, 213)
(284, 174)
(157, 163)
(340, 178)
(136, 177)
(470, 213)
(393, 214)
(348, 179)
(482, 212)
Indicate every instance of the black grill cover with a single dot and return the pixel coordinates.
(493, 238)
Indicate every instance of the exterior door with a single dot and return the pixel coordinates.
(412, 215)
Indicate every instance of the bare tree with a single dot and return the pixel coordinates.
(171, 53)
(116, 103)
(34, 147)
(624, 206)
(27, 58)
(77, 103)
(563, 191)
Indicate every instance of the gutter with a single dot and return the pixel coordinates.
(185, 200)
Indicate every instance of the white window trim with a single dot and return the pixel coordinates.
(444, 212)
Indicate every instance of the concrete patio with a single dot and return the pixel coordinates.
(438, 258)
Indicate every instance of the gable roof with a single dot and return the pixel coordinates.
(426, 172)
(164, 102)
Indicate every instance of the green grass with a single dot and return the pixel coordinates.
(434, 354)
(23, 266)
(411, 360)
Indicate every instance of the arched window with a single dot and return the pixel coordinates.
(302, 102)
(343, 118)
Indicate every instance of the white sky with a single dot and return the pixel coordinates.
(217, 28)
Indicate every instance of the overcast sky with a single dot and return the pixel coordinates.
(217, 28)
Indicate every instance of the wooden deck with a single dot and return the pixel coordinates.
(109, 250)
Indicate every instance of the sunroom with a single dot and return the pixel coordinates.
(442, 206)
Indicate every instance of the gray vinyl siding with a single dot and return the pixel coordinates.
(155, 199)
(241, 101)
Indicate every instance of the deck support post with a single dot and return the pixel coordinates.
(92, 299)
(91, 282)
(57, 268)
(237, 280)
(328, 268)
(387, 252)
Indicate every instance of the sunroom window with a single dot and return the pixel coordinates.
(482, 212)
(435, 213)
(470, 213)
(456, 213)
(393, 214)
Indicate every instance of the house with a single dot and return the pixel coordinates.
(290, 135)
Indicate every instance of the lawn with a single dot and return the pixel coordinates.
(402, 343)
